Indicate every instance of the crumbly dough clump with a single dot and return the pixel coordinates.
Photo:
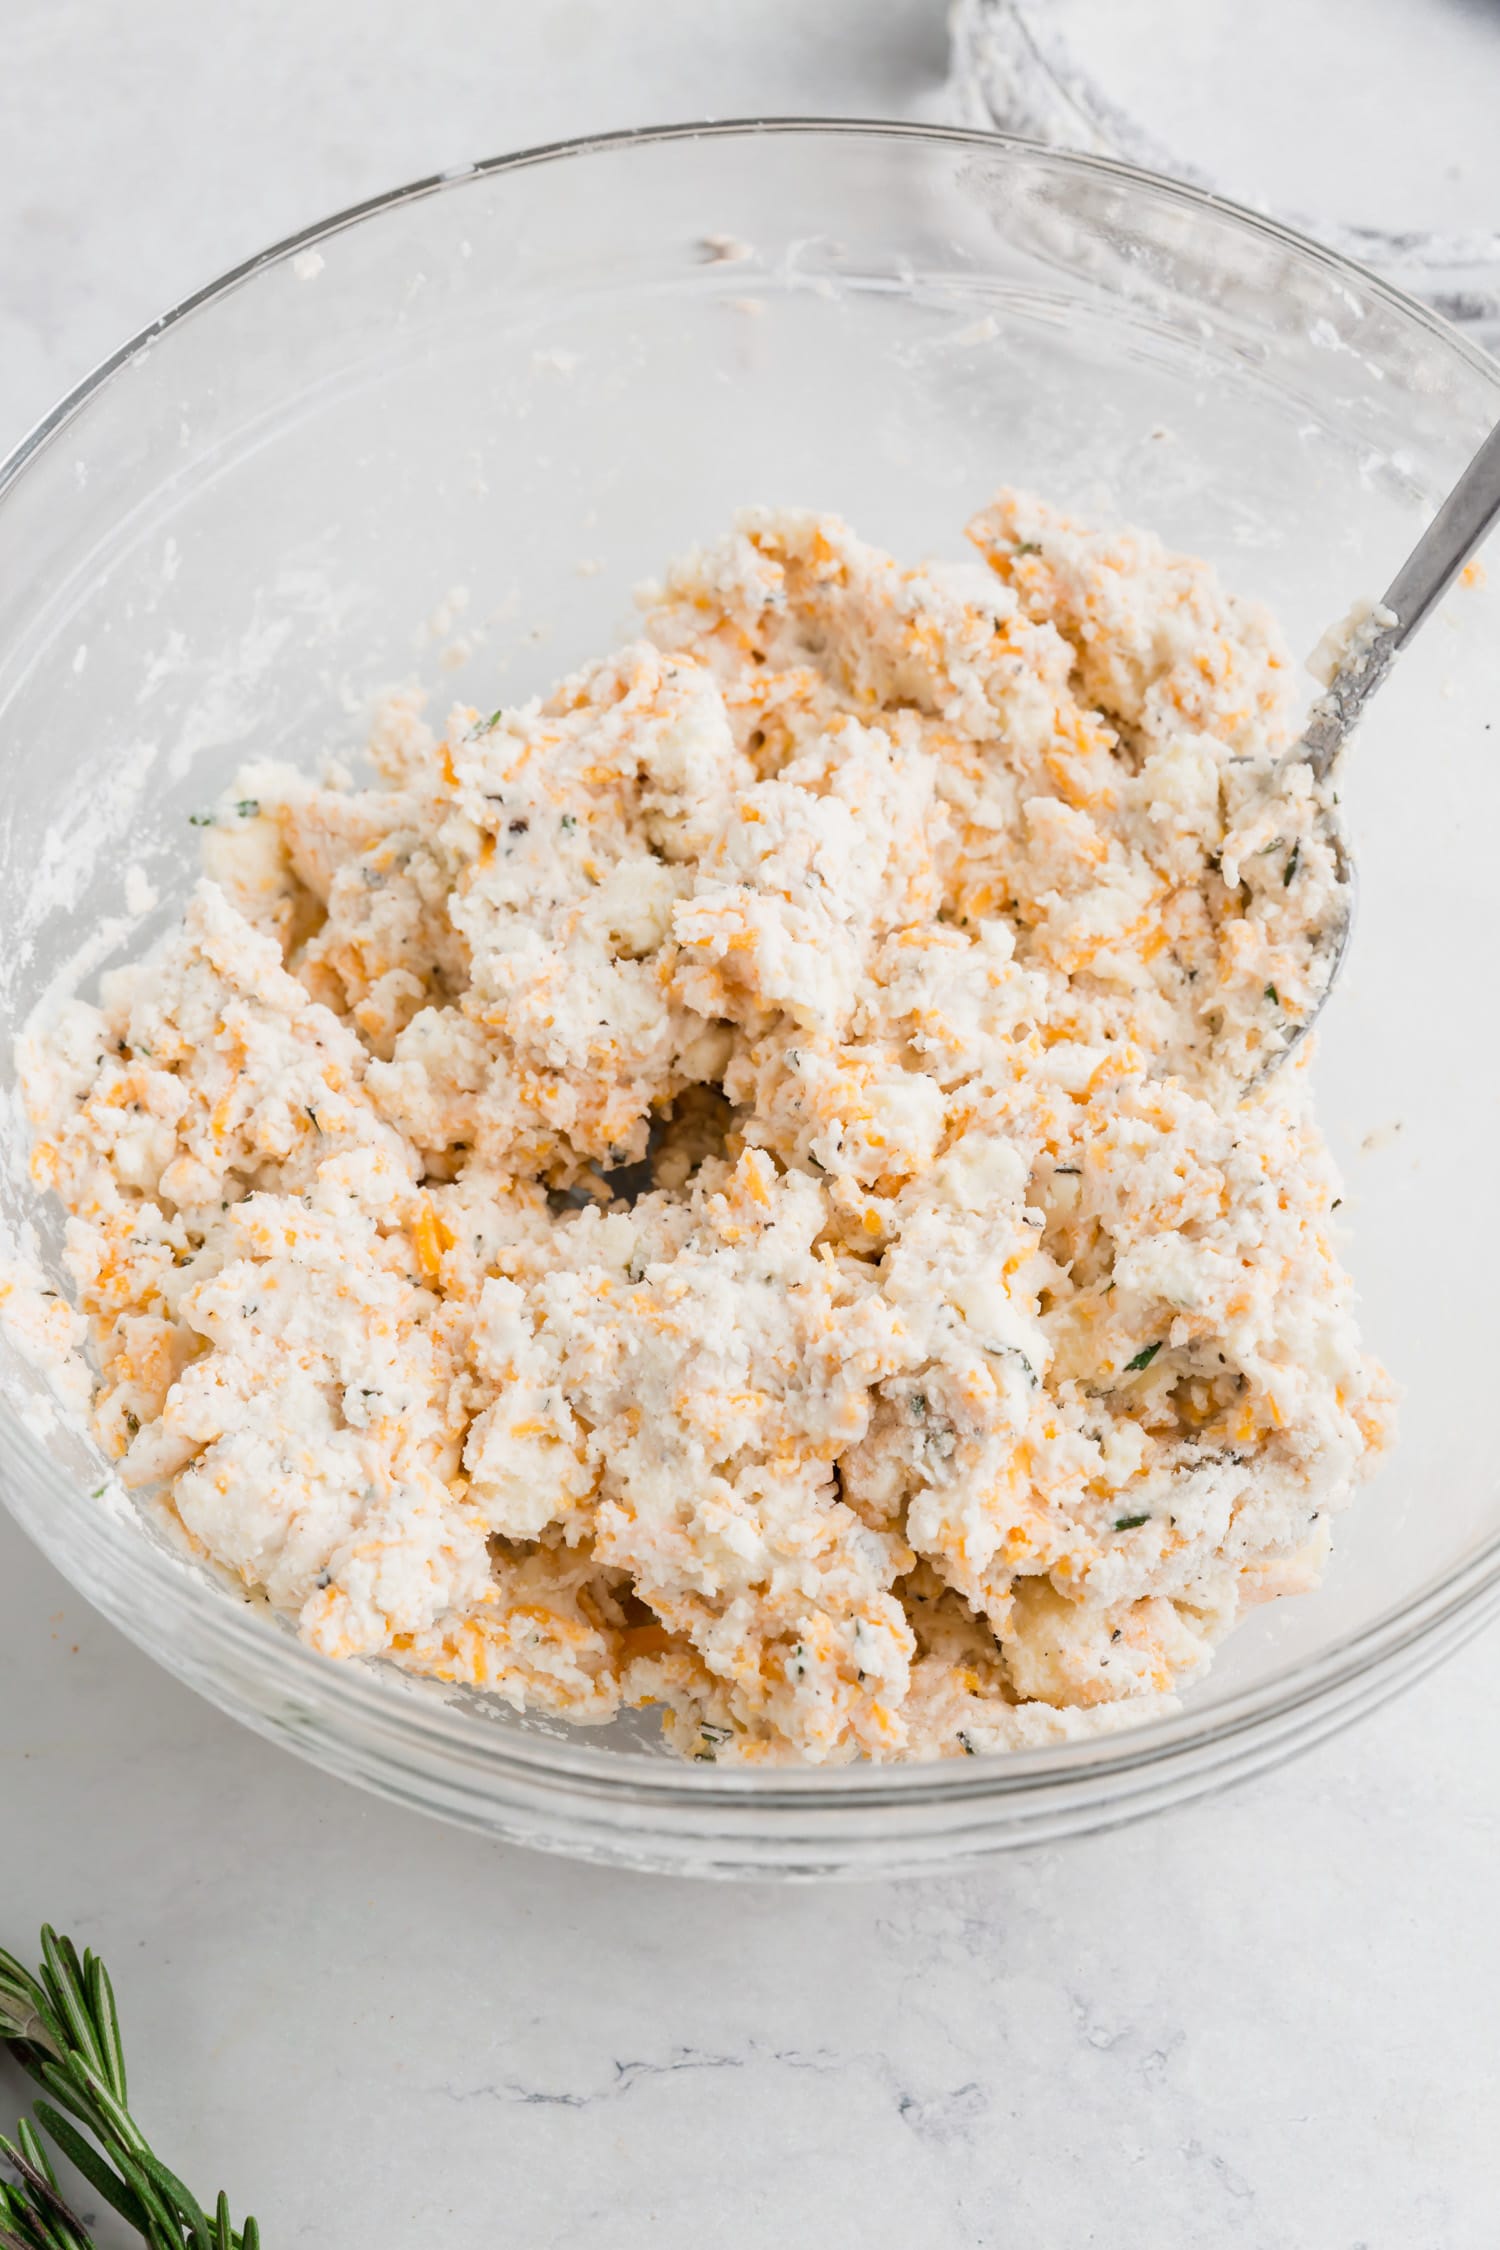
(728, 1186)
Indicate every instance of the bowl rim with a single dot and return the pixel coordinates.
(420, 1710)
(1183, 191)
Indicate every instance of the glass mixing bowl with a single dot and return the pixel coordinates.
(444, 435)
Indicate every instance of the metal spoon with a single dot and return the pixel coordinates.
(1462, 523)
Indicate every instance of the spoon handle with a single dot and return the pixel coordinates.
(1465, 519)
(1461, 524)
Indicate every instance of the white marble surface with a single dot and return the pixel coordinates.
(1265, 2021)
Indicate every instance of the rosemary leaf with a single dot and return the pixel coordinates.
(87, 2160)
(161, 2226)
(65, 2087)
(54, 2079)
(102, 2007)
(31, 2148)
(184, 2205)
(117, 2120)
(63, 1978)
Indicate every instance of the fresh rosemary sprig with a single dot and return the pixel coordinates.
(62, 2028)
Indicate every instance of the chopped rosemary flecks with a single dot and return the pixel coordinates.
(969, 1749)
(1027, 547)
(248, 807)
(1130, 1523)
(1143, 1358)
(1273, 996)
(200, 820)
(62, 2027)
(1291, 866)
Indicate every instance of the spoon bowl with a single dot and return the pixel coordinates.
(1363, 649)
